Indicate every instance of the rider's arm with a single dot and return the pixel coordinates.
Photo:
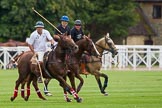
(31, 48)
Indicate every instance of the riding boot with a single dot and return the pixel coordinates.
(83, 70)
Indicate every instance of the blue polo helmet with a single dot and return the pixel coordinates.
(65, 18)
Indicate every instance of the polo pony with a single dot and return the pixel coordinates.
(94, 64)
(55, 67)
(74, 61)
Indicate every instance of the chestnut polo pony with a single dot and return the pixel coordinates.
(93, 66)
(55, 67)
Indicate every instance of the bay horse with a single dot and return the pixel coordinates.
(73, 64)
(56, 66)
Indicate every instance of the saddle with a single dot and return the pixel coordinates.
(45, 59)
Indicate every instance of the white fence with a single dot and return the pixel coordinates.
(8, 53)
(135, 57)
(129, 57)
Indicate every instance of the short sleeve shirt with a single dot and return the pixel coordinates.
(63, 30)
(76, 34)
(39, 41)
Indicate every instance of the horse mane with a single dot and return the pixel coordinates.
(100, 40)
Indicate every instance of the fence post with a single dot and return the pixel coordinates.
(160, 57)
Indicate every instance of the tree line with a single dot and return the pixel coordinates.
(17, 18)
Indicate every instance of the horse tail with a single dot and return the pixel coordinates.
(14, 61)
(16, 58)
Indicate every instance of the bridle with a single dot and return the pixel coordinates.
(110, 49)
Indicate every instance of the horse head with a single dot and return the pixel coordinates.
(111, 45)
(87, 44)
(67, 43)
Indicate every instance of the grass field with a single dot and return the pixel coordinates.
(126, 89)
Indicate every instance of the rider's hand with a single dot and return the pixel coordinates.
(53, 46)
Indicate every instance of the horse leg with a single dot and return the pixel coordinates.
(72, 80)
(81, 82)
(22, 89)
(102, 89)
(68, 88)
(18, 82)
(30, 78)
(36, 73)
(46, 82)
(35, 84)
(105, 82)
(67, 99)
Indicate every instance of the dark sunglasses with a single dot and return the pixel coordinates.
(77, 25)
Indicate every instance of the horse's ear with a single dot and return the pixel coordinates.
(107, 35)
(89, 35)
(65, 34)
(57, 37)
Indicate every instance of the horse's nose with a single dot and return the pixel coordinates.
(76, 48)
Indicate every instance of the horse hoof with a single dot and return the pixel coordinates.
(43, 98)
(12, 98)
(79, 100)
(26, 98)
(68, 100)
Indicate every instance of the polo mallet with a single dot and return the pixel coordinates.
(41, 74)
(46, 20)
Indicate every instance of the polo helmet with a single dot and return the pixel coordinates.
(39, 24)
(65, 18)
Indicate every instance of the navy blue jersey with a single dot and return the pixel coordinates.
(63, 30)
(76, 35)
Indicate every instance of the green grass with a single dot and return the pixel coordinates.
(126, 89)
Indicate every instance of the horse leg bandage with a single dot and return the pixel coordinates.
(39, 93)
(65, 95)
(22, 93)
(74, 93)
(28, 91)
(15, 92)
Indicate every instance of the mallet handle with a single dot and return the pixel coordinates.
(46, 20)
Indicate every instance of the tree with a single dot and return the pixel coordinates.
(98, 18)
(113, 16)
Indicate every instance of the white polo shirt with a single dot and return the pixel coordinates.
(39, 41)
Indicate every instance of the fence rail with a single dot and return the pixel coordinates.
(129, 56)
(134, 57)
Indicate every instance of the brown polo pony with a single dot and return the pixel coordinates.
(56, 67)
(73, 64)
